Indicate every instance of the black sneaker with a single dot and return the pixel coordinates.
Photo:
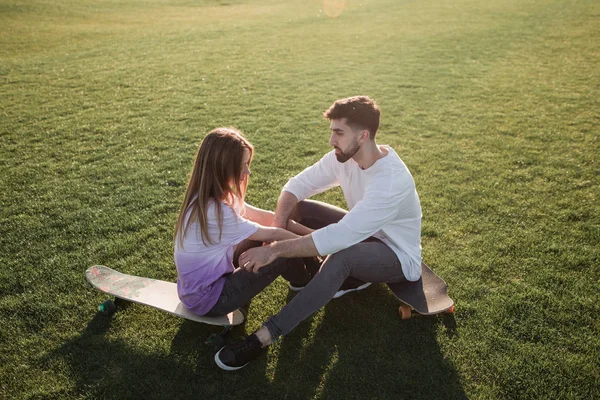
(312, 265)
(236, 356)
(351, 285)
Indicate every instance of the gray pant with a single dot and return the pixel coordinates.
(368, 261)
(241, 285)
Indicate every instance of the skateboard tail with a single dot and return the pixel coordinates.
(427, 296)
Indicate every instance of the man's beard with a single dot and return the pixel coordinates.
(344, 156)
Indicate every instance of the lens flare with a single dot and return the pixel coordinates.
(333, 8)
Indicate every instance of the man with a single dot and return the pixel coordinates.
(378, 240)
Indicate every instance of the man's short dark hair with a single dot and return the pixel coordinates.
(359, 111)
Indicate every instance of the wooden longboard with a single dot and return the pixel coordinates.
(427, 296)
(151, 292)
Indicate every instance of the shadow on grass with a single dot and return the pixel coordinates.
(362, 349)
(102, 367)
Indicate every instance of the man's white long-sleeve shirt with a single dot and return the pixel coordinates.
(382, 202)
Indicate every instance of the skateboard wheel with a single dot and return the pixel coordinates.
(107, 308)
(450, 310)
(404, 311)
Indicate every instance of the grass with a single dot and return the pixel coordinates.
(492, 105)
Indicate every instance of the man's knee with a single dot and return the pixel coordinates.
(336, 263)
(315, 214)
(349, 258)
(301, 210)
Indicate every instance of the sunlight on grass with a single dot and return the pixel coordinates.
(492, 106)
(330, 367)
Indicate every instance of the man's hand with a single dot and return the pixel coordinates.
(256, 258)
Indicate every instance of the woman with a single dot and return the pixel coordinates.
(215, 226)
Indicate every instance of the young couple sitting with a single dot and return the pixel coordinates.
(219, 253)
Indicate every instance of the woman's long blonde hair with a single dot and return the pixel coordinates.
(216, 176)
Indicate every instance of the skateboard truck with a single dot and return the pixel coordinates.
(218, 340)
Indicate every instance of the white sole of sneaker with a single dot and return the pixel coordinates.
(295, 288)
(223, 366)
(340, 293)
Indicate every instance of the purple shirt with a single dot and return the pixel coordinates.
(201, 268)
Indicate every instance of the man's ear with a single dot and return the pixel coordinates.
(364, 135)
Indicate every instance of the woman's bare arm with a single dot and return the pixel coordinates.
(265, 218)
(258, 215)
(269, 234)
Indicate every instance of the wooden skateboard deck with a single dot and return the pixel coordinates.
(427, 296)
(151, 292)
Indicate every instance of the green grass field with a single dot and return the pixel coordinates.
(493, 105)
